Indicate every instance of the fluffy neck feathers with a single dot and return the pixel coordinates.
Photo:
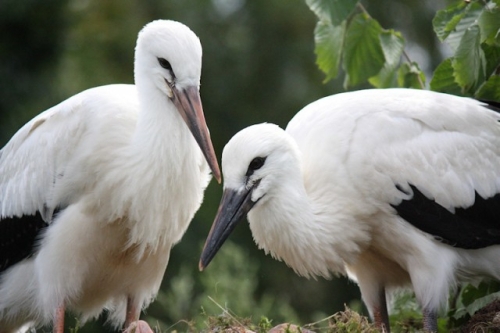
(314, 238)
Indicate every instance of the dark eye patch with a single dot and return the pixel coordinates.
(255, 164)
(165, 64)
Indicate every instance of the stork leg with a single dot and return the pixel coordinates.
(132, 322)
(430, 320)
(380, 314)
(58, 324)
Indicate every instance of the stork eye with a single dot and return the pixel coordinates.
(165, 64)
(256, 164)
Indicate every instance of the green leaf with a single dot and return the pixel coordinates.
(482, 302)
(329, 40)
(443, 79)
(462, 312)
(469, 61)
(489, 22)
(451, 23)
(492, 55)
(447, 19)
(392, 46)
(490, 90)
(470, 293)
(410, 76)
(334, 11)
(363, 55)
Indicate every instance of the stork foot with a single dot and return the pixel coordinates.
(139, 326)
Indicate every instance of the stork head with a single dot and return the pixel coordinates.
(255, 164)
(168, 60)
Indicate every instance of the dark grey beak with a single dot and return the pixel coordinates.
(188, 103)
(233, 207)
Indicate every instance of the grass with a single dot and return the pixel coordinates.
(342, 322)
(347, 321)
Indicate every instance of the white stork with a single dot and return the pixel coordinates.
(394, 188)
(95, 191)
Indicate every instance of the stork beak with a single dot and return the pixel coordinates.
(188, 103)
(233, 207)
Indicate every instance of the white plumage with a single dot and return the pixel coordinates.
(326, 195)
(116, 176)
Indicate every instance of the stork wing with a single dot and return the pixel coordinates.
(31, 164)
(38, 159)
(434, 157)
(35, 159)
(470, 228)
(39, 154)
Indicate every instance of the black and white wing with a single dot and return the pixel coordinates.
(35, 162)
(435, 158)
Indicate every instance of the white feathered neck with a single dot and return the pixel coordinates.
(156, 179)
(286, 222)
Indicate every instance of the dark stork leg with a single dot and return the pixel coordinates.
(132, 322)
(380, 314)
(430, 320)
(59, 320)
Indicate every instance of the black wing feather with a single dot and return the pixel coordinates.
(469, 228)
(492, 105)
(18, 238)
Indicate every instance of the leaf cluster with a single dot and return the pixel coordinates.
(347, 37)
(472, 31)
(470, 299)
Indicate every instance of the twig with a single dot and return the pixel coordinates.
(363, 9)
(226, 312)
(407, 57)
(188, 323)
(320, 321)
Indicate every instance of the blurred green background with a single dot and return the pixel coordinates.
(258, 65)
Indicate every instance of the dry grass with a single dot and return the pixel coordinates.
(342, 322)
